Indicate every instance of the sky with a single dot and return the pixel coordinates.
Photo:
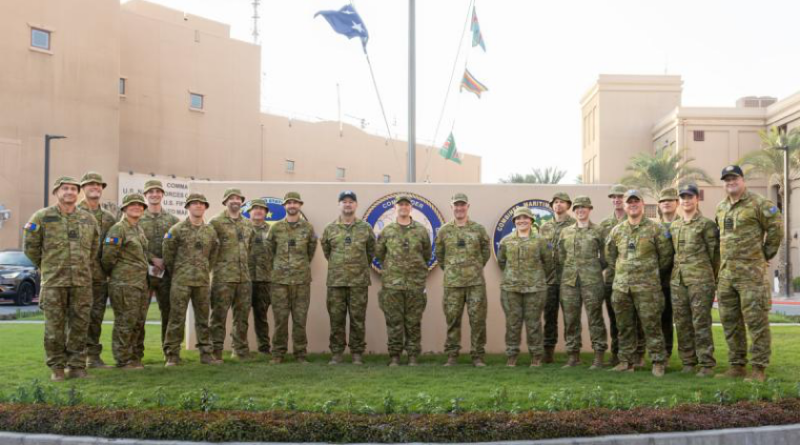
(541, 57)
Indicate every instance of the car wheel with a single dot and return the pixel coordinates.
(25, 294)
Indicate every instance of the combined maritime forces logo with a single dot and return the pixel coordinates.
(541, 212)
(382, 212)
(275, 212)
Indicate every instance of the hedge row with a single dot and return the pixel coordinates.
(278, 426)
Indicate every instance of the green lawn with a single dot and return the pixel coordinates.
(153, 314)
(774, 317)
(374, 387)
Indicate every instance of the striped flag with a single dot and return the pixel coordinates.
(471, 84)
(477, 36)
(449, 151)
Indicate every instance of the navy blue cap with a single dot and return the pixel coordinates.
(347, 194)
(689, 189)
(732, 170)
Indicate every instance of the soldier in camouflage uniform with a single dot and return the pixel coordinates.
(349, 246)
(551, 230)
(403, 250)
(155, 223)
(293, 244)
(125, 259)
(231, 286)
(92, 185)
(526, 259)
(695, 240)
(462, 250)
(750, 229)
(667, 214)
(62, 241)
(260, 266)
(190, 250)
(637, 250)
(582, 259)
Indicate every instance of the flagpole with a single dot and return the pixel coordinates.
(412, 92)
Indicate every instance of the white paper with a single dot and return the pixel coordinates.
(151, 270)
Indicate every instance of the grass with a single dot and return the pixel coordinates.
(774, 317)
(153, 314)
(375, 388)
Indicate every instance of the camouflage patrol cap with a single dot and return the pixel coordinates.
(259, 203)
(460, 197)
(402, 197)
(582, 201)
(633, 193)
(153, 184)
(617, 190)
(668, 194)
(90, 177)
(231, 192)
(195, 197)
(133, 198)
(292, 196)
(522, 211)
(65, 180)
(562, 196)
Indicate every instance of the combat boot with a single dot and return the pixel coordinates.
(57, 375)
(573, 360)
(412, 360)
(735, 372)
(357, 360)
(276, 359)
(759, 374)
(597, 362)
(536, 361)
(137, 364)
(394, 360)
(478, 362)
(76, 373)
(301, 359)
(614, 359)
(240, 356)
(336, 359)
(705, 372)
(659, 369)
(217, 355)
(549, 354)
(638, 361)
(452, 360)
(622, 367)
(511, 361)
(95, 362)
(688, 369)
(206, 359)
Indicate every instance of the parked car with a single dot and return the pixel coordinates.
(19, 278)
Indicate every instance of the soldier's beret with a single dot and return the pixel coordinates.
(732, 170)
(231, 192)
(562, 196)
(668, 194)
(195, 197)
(582, 201)
(133, 198)
(153, 184)
(292, 196)
(65, 180)
(90, 177)
(459, 197)
(617, 190)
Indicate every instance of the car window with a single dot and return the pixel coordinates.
(14, 258)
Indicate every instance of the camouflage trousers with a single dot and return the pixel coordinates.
(66, 315)
(667, 323)
(290, 300)
(591, 297)
(224, 297)
(261, 302)
(98, 311)
(692, 312)
(524, 308)
(614, 330)
(341, 301)
(551, 307)
(454, 300)
(130, 308)
(161, 288)
(745, 308)
(180, 296)
(646, 308)
(403, 311)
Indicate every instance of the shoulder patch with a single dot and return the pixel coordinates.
(167, 235)
(31, 227)
(112, 241)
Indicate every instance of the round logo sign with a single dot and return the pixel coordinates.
(541, 212)
(382, 212)
(275, 211)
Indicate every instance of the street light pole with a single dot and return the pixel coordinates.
(787, 251)
(47, 139)
(411, 174)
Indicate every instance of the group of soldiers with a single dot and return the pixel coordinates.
(649, 275)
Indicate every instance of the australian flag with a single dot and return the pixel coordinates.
(347, 22)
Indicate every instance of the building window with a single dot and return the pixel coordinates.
(699, 135)
(387, 179)
(196, 101)
(651, 210)
(340, 172)
(289, 166)
(40, 38)
(122, 86)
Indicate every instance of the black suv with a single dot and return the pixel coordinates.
(19, 278)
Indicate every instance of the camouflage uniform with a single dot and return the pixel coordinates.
(462, 253)
(260, 265)
(403, 252)
(636, 254)
(189, 255)
(582, 260)
(750, 235)
(667, 327)
(125, 258)
(349, 249)
(696, 244)
(231, 286)
(526, 263)
(64, 248)
(293, 246)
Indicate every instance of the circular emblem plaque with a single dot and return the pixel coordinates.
(541, 212)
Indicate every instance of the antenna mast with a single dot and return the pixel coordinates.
(256, 3)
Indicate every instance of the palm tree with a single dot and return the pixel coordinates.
(547, 175)
(767, 163)
(666, 167)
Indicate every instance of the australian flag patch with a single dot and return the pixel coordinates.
(31, 227)
(112, 241)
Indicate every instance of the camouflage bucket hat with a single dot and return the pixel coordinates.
(259, 203)
(65, 180)
(133, 198)
(153, 184)
(617, 190)
(522, 211)
(402, 197)
(460, 197)
(668, 194)
(582, 201)
(231, 192)
(292, 196)
(562, 196)
(195, 197)
(90, 177)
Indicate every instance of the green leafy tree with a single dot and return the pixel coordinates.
(767, 163)
(547, 175)
(666, 167)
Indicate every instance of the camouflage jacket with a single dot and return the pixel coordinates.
(666, 275)
(696, 245)
(551, 230)
(462, 252)
(155, 226)
(750, 235)
(125, 256)
(260, 254)
(104, 220)
(581, 255)
(606, 225)
(349, 249)
(63, 247)
(235, 236)
(525, 262)
(190, 252)
(293, 247)
(404, 252)
(637, 254)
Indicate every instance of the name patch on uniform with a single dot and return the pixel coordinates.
(112, 241)
(31, 227)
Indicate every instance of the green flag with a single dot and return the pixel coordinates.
(449, 151)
